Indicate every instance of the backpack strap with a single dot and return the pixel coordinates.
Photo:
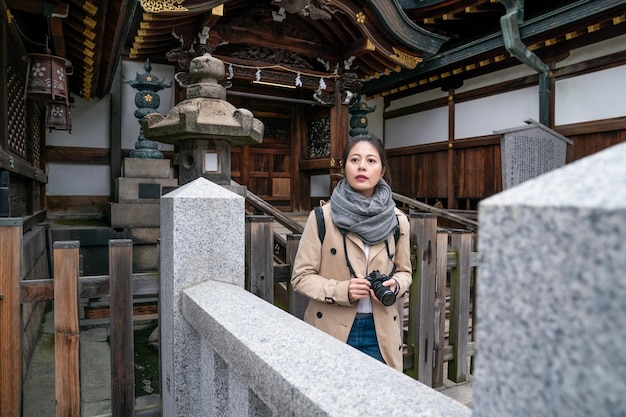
(396, 232)
(321, 226)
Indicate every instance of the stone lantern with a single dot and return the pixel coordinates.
(204, 125)
(147, 101)
(358, 117)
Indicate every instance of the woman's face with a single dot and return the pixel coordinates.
(364, 168)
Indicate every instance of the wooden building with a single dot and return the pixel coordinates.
(434, 79)
(438, 77)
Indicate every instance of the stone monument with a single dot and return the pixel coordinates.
(204, 125)
(145, 177)
(529, 151)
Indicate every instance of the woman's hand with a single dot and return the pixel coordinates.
(358, 288)
(391, 283)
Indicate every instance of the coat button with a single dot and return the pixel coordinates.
(395, 318)
(333, 251)
(319, 314)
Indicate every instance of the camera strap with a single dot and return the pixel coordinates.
(349, 265)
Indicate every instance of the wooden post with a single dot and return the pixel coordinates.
(440, 308)
(121, 319)
(66, 329)
(259, 256)
(421, 334)
(297, 302)
(10, 318)
(461, 243)
(339, 126)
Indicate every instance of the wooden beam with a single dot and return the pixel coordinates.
(72, 154)
(357, 48)
(58, 40)
(265, 39)
(39, 8)
(18, 166)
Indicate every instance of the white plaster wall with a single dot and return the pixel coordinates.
(130, 124)
(417, 99)
(588, 97)
(596, 50)
(416, 129)
(483, 116)
(77, 179)
(91, 121)
(508, 74)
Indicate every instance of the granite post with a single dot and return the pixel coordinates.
(202, 238)
(551, 301)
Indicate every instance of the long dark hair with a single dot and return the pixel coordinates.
(376, 143)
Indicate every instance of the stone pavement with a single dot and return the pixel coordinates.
(95, 372)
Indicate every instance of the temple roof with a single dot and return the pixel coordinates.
(394, 47)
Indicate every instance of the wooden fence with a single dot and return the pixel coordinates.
(439, 306)
(66, 289)
(437, 311)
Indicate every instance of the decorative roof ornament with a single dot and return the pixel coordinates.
(405, 59)
(158, 6)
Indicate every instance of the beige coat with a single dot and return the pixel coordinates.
(321, 274)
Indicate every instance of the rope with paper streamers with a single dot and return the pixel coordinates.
(298, 73)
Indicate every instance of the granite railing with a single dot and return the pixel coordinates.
(261, 361)
(227, 352)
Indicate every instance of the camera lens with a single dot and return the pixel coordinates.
(386, 296)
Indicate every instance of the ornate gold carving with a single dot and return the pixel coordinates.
(218, 10)
(157, 6)
(360, 17)
(405, 59)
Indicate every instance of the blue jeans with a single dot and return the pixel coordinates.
(363, 336)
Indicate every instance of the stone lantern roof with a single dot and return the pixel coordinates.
(205, 114)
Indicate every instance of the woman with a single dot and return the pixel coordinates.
(360, 222)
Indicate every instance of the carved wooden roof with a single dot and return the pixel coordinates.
(395, 46)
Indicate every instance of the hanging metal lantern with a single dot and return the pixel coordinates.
(58, 116)
(46, 78)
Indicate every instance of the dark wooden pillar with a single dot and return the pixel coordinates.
(451, 151)
(4, 111)
(300, 183)
(338, 136)
(116, 131)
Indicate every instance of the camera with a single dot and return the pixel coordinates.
(384, 294)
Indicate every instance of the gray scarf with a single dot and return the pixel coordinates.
(372, 219)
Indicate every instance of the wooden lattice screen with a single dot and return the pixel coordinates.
(22, 149)
(16, 116)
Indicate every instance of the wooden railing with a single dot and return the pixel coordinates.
(66, 289)
(438, 319)
(437, 323)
